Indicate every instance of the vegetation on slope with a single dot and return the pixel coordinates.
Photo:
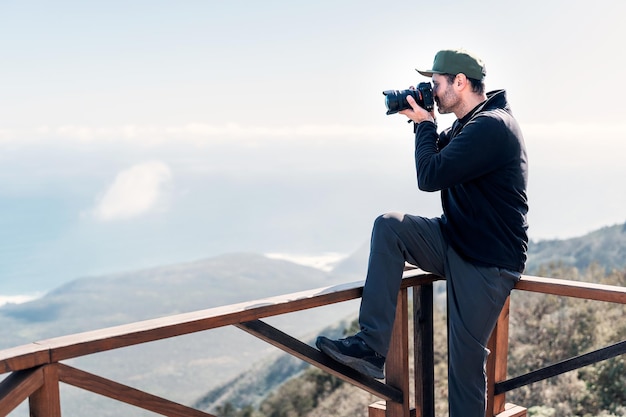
(546, 329)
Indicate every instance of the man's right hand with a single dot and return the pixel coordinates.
(416, 113)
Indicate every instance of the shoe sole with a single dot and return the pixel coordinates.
(357, 364)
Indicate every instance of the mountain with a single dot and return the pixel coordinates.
(185, 368)
(606, 246)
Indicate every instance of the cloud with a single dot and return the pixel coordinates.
(204, 134)
(18, 299)
(191, 133)
(135, 191)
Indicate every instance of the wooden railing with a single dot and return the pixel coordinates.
(36, 369)
(498, 344)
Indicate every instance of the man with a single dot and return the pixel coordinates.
(479, 243)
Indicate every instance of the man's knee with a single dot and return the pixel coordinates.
(388, 221)
(385, 233)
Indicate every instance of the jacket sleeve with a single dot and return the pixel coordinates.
(478, 149)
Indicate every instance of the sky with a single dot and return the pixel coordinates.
(143, 133)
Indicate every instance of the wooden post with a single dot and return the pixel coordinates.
(46, 401)
(397, 363)
(377, 409)
(512, 410)
(423, 351)
(498, 345)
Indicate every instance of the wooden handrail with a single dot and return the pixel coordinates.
(86, 343)
(577, 289)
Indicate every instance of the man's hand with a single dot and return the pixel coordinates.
(417, 113)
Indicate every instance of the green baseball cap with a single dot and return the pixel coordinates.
(456, 61)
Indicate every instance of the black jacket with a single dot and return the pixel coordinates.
(480, 166)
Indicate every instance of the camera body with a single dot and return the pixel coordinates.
(395, 100)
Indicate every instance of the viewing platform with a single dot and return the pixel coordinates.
(36, 370)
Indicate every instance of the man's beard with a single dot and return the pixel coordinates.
(440, 109)
(449, 98)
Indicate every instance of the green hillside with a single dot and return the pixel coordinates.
(606, 247)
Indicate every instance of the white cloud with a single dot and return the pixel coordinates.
(18, 299)
(135, 191)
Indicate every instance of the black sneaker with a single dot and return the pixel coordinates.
(353, 352)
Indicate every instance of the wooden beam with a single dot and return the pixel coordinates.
(126, 394)
(81, 344)
(498, 346)
(17, 387)
(46, 401)
(313, 356)
(397, 361)
(23, 357)
(577, 289)
(559, 368)
(423, 342)
(377, 409)
(512, 410)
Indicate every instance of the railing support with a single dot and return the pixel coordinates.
(18, 387)
(397, 364)
(423, 331)
(46, 401)
(316, 358)
(498, 346)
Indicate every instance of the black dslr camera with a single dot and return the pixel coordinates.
(396, 100)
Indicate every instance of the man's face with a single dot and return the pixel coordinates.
(444, 94)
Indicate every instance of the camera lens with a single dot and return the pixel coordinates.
(395, 100)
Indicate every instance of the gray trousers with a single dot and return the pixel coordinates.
(475, 294)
